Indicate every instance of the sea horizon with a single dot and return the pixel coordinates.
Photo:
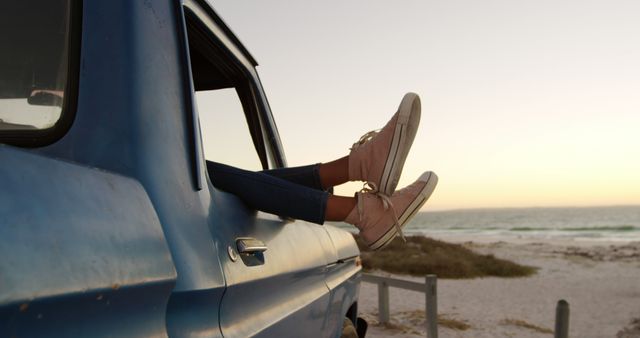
(619, 223)
(534, 207)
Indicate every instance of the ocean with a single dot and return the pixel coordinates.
(616, 223)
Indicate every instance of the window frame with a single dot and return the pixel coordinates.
(251, 96)
(42, 137)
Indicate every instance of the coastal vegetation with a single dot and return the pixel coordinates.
(526, 325)
(422, 255)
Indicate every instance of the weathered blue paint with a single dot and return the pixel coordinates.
(104, 232)
(78, 243)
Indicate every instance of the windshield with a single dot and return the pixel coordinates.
(33, 63)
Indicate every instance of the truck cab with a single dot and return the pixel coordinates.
(109, 224)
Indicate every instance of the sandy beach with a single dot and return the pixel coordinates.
(600, 280)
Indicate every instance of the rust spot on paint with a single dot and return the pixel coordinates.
(24, 307)
(115, 286)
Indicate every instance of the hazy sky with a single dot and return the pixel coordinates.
(524, 103)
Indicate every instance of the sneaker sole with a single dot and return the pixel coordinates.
(432, 180)
(405, 133)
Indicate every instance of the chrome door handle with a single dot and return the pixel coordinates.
(250, 246)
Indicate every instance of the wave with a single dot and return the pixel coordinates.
(473, 228)
(613, 228)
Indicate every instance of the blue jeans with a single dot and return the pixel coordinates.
(290, 192)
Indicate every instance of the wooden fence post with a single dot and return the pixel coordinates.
(383, 302)
(562, 319)
(431, 303)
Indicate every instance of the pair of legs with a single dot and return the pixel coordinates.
(298, 192)
(378, 211)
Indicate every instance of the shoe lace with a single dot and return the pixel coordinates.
(365, 138)
(372, 188)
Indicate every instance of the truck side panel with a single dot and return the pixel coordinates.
(78, 243)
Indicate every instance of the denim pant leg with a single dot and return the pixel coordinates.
(308, 175)
(269, 193)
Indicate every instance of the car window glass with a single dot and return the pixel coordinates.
(34, 36)
(225, 133)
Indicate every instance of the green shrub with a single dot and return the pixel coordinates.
(422, 255)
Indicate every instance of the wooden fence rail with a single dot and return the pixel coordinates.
(429, 288)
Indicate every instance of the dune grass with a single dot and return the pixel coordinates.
(422, 255)
(526, 325)
(408, 321)
(453, 323)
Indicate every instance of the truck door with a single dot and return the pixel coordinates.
(277, 289)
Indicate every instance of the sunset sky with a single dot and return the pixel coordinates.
(524, 103)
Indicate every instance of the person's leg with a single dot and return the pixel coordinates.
(335, 172)
(379, 218)
(377, 158)
(321, 176)
(308, 175)
(278, 196)
(339, 207)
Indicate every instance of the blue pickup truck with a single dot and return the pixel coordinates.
(109, 224)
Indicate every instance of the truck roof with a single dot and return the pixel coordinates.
(219, 21)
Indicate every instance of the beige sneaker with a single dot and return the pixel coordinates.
(380, 218)
(378, 157)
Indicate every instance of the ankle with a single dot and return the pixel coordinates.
(339, 208)
(334, 173)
